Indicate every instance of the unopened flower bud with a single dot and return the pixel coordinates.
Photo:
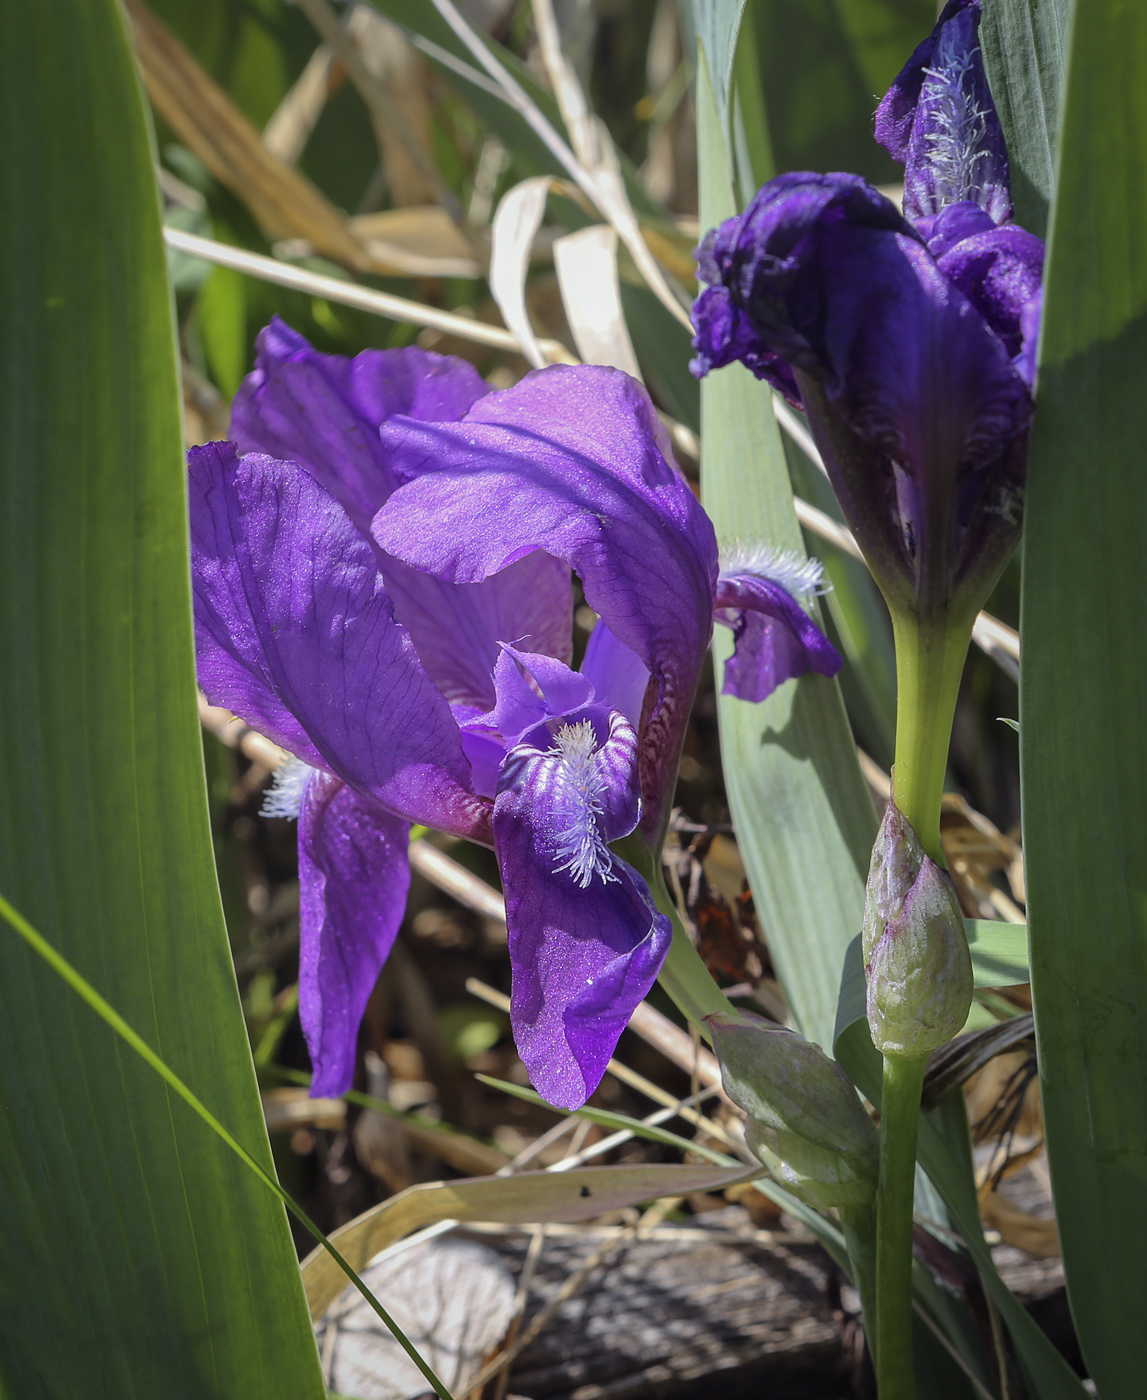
(916, 962)
(806, 1123)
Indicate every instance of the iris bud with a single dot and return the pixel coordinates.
(917, 966)
(806, 1123)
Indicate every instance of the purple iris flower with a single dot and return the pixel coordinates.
(909, 340)
(382, 567)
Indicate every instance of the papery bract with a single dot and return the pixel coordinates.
(382, 572)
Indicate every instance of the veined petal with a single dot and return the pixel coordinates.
(296, 634)
(586, 941)
(531, 688)
(999, 270)
(354, 875)
(457, 628)
(575, 462)
(774, 638)
(939, 121)
(619, 677)
(324, 411)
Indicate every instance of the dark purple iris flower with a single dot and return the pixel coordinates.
(382, 566)
(909, 340)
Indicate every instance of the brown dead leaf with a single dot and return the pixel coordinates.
(1031, 1233)
(209, 123)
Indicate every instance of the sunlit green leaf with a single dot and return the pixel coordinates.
(139, 1257)
(1082, 738)
(1024, 43)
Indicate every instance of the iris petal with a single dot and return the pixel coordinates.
(324, 411)
(573, 461)
(296, 634)
(939, 121)
(775, 640)
(586, 942)
(353, 880)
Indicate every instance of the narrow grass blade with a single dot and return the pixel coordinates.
(1082, 738)
(1024, 47)
(622, 1121)
(805, 823)
(138, 1255)
(111, 1017)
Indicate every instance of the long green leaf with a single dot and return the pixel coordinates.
(1082, 736)
(823, 65)
(1023, 43)
(138, 1256)
(1049, 1373)
(804, 820)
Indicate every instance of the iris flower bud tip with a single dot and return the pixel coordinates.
(917, 966)
(805, 1121)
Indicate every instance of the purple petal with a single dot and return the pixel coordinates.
(939, 121)
(999, 270)
(1029, 329)
(324, 411)
(531, 688)
(586, 942)
(457, 628)
(845, 289)
(618, 675)
(573, 461)
(296, 634)
(723, 336)
(774, 638)
(353, 878)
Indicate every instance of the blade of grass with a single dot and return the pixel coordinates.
(1083, 744)
(1024, 53)
(137, 1256)
(620, 1122)
(805, 823)
(111, 1018)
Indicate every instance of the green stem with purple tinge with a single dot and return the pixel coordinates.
(930, 658)
(929, 663)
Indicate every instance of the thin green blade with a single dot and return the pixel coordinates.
(805, 823)
(1083, 741)
(137, 1256)
(1023, 42)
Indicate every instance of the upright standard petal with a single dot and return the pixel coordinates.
(911, 395)
(575, 462)
(939, 121)
(296, 634)
(354, 875)
(324, 411)
(1000, 271)
(586, 942)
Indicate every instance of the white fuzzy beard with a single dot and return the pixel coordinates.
(799, 576)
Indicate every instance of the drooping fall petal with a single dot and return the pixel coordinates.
(354, 875)
(296, 634)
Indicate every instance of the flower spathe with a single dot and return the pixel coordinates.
(382, 563)
(908, 339)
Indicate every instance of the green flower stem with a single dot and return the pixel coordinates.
(929, 663)
(859, 1226)
(899, 1116)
